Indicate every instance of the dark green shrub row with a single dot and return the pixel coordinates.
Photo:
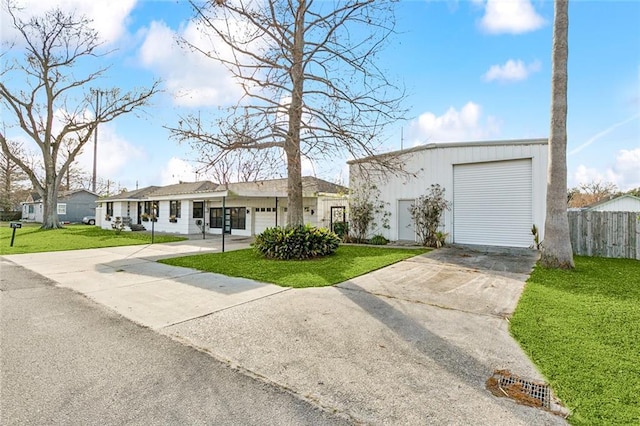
(302, 242)
(9, 216)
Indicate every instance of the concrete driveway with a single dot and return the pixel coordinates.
(412, 343)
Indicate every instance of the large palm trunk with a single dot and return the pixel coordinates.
(556, 247)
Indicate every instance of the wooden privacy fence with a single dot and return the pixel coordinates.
(605, 234)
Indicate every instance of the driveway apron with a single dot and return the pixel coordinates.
(413, 343)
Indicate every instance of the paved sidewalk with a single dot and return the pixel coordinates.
(131, 282)
(412, 343)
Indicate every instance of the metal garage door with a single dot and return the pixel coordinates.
(264, 217)
(492, 203)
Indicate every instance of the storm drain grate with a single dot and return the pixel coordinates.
(526, 392)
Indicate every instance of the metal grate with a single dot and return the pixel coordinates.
(527, 392)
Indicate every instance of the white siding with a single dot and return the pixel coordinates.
(620, 204)
(324, 204)
(434, 164)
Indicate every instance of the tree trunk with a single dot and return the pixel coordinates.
(556, 247)
(292, 142)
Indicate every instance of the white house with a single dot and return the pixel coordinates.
(245, 208)
(623, 203)
(497, 189)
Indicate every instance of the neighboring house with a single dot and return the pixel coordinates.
(497, 189)
(72, 206)
(245, 208)
(623, 203)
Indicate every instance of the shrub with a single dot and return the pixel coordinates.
(341, 229)
(427, 213)
(301, 242)
(367, 212)
(378, 240)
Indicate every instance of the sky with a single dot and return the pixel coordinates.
(474, 71)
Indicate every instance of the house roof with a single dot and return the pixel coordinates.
(68, 194)
(540, 141)
(269, 188)
(34, 197)
(611, 200)
(278, 187)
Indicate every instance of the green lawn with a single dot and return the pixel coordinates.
(582, 329)
(31, 239)
(347, 262)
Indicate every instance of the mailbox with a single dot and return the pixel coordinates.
(14, 226)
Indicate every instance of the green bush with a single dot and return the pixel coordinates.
(378, 240)
(302, 242)
(341, 228)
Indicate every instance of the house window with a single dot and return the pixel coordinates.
(110, 208)
(31, 209)
(62, 208)
(215, 218)
(238, 217)
(149, 206)
(198, 209)
(174, 208)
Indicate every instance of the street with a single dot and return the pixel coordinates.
(67, 360)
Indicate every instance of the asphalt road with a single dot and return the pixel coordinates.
(67, 360)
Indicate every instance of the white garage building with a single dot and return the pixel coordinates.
(497, 189)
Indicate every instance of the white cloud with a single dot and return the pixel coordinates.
(177, 170)
(624, 172)
(512, 70)
(192, 78)
(627, 168)
(464, 125)
(510, 16)
(115, 155)
(109, 17)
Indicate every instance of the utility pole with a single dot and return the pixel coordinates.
(95, 144)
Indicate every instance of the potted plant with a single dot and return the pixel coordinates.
(144, 217)
(173, 219)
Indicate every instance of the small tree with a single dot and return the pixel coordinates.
(365, 209)
(427, 214)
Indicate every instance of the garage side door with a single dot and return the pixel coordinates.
(264, 217)
(492, 203)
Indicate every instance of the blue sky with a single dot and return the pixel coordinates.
(474, 70)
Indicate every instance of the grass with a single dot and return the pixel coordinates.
(582, 329)
(346, 263)
(31, 239)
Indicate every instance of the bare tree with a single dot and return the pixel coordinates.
(239, 165)
(74, 176)
(592, 192)
(309, 76)
(556, 247)
(50, 101)
(13, 181)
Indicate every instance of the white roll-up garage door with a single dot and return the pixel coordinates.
(492, 203)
